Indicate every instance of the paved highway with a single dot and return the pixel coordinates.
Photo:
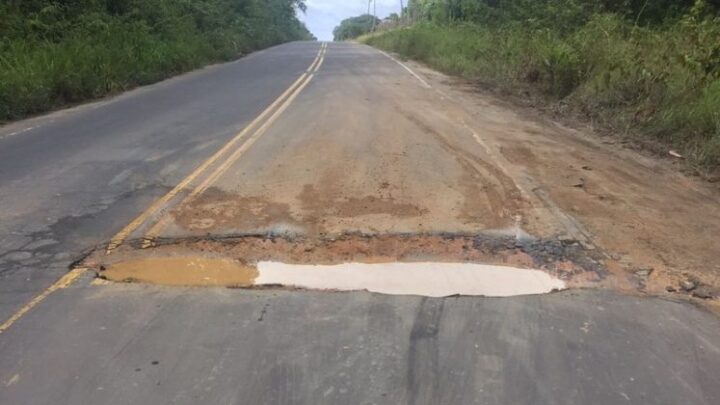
(315, 153)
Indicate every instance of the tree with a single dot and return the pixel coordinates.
(353, 27)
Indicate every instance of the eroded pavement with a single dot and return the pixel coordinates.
(374, 166)
(222, 283)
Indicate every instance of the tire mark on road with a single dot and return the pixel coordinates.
(423, 358)
(504, 204)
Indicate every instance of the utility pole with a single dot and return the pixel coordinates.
(374, 14)
(402, 12)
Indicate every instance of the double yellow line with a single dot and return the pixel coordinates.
(278, 106)
(273, 111)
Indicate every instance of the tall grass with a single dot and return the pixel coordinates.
(661, 82)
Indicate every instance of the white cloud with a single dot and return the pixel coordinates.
(324, 15)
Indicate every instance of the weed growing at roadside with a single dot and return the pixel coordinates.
(661, 80)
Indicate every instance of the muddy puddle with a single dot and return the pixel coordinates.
(182, 271)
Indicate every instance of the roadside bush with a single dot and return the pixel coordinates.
(351, 28)
(656, 76)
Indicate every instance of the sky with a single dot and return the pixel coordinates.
(323, 16)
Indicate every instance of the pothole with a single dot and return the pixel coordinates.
(431, 265)
(424, 279)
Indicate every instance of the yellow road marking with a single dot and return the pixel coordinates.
(313, 67)
(322, 59)
(64, 282)
(120, 237)
(68, 279)
(163, 222)
(240, 151)
(160, 225)
(236, 155)
(100, 281)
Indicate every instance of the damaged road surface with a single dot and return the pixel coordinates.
(314, 224)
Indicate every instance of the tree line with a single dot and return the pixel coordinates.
(354, 27)
(54, 52)
(570, 12)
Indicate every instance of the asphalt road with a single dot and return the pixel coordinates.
(77, 177)
(364, 146)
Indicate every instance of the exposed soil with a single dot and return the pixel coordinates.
(640, 209)
(216, 209)
(182, 271)
(485, 187)
(450, 175)
(321, 204)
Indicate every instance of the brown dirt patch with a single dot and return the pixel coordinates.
(486, 188)
(182, 271)
(216, 209)
(323, 204)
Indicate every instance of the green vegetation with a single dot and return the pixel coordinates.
(648, 68)
(354, 27)
(54, 52)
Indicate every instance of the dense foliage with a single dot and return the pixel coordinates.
(354, 27)
(54, 52)
(641, 67)
(558, 13)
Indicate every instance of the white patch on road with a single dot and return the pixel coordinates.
(425, 279)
